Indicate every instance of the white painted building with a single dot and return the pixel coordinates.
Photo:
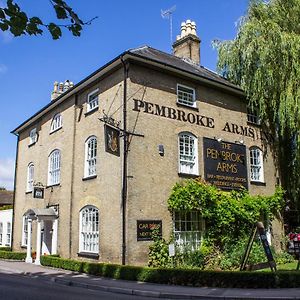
(5, 227)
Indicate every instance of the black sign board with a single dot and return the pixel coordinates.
(145, 228)
(225, 164)
(112, 140)
(38, 192)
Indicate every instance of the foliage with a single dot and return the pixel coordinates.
(179, 276)
(5, 207)
(14, 19)
(264, 60)
(229, 216)
(12, 255)
(5, 249)
(282, 258)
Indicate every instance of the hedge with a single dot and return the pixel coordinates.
(12, 255)
(188, 277)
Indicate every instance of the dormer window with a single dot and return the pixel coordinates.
(186, 96)
(92, 100)
(32, 136)
(56, 123)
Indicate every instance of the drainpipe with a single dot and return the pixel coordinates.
(14, 196)
(125, 152)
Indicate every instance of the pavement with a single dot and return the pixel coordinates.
(141, 288)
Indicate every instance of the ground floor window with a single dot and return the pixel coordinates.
(1, 233)
(8, 234)
(188, 228)
(89, 230)
(25, 231)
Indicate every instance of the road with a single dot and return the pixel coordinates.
(21, 287)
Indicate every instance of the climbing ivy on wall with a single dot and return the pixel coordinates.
(229, 216)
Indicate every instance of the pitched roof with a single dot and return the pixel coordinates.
(181, 63)
(6, 197)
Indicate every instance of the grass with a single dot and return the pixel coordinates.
(292, 266)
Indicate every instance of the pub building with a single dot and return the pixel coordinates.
(96, 166)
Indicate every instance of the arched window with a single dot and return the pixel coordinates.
(188, 153)
(92, 100)
(56, 123)
(54, 167)
(89, 230)
(90, 156)
(256, 165)
(30, 177)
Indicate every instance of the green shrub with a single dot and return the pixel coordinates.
(180, 276)
(283, 258)
(5, 249)
(12, 255)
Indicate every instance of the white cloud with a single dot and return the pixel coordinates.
(7, 172)
(3, 68)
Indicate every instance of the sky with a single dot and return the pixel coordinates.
(29, 65)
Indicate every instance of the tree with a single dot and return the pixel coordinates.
(14, 19)
(264, 59)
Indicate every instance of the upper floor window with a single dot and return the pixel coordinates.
(186, 95)
(90, 156)
(253, 116)
(256, 165)
(188, 153)
(8, 234)
(30, 177)
(188, 227)
(56, 123)
(92, 100)
(1, 233)
(32, 136)
(89, 230)
(25, 231)
(54, 167)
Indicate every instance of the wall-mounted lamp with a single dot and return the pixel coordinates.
(240, 142)
(161, 150)
(218, 139)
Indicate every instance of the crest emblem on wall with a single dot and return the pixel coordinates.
(112, 140)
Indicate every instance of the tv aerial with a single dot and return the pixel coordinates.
(167, 14)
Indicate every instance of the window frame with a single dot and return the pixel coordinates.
(85, 242)
(51, 170)
(30, 177)
(194, 164)
(56, 125)
(253, 116)
(90, 160)
(89, 102)
(183, 102)
(182, 232)
(255, 166)
(1, 233)
(8, 233)
(32, 136)
(25, 233)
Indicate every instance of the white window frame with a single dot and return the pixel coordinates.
(56, 123)
(32, 136)
(54, 167)
(92, 100)
(90, 165)
(187, 156)
(188, 230)
(25, 231)
(8, 233)
(89, 229)
(256, 164)
(1, 233)
(183, 96)
(30, 177)
(253, 116)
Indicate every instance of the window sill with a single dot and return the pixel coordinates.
(28, 192)
(186, 175)
(187, 106)
(57, 129)
(259, 183)
(23, 247)
(91, 111)
(53, 185)
(88, 255)
(88, 178)
(31, 144)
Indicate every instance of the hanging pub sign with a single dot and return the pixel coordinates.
(146, 227)
(38, 192)
(112, 140)
(225, 164)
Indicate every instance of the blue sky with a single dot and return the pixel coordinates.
(30, 65)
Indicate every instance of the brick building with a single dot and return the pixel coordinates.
(95, 166)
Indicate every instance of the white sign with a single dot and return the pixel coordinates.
(171, 250)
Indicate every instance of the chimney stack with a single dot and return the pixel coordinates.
(60, 88)
(187, 44)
